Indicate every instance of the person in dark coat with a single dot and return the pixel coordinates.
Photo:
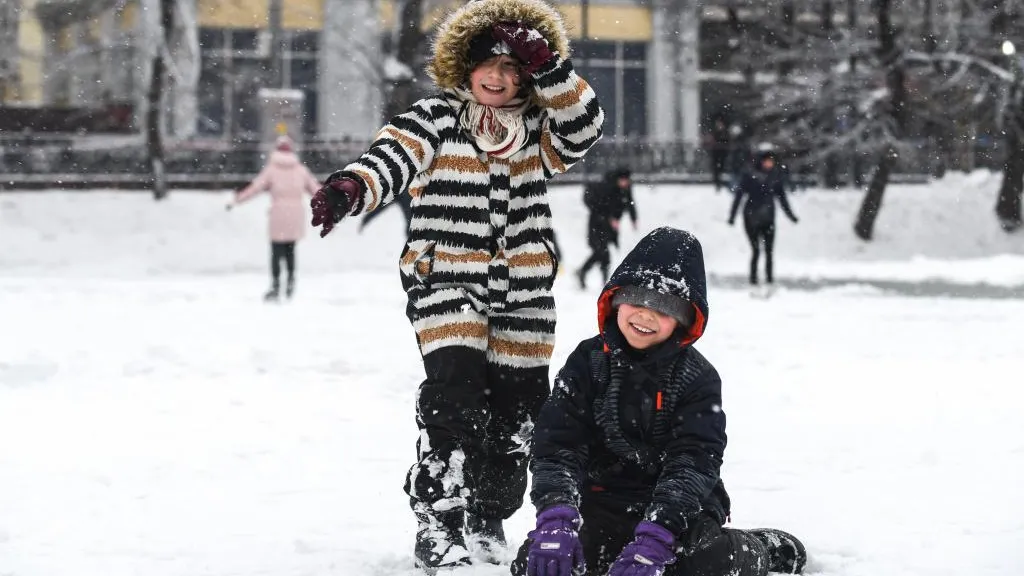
(628, 448)
(607, 200)
(761, 187)
(718, 149)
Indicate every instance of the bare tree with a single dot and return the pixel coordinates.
(154, 98)
(893, 116)
(983, 66)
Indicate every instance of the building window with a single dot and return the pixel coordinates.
(234, 68)
(617, 71)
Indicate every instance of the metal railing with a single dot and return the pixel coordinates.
(55, 162)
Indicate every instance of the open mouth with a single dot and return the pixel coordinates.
(493, 89)
(643, 330)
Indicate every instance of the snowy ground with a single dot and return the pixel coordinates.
(157, 419)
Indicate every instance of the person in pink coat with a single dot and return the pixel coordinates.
(286, 178)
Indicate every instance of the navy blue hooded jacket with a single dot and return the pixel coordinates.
(638, 428)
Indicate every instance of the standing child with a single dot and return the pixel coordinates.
(479, 263)
(286, 178)
(762, 186)
(627, 450)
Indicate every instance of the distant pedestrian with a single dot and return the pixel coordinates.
(607, 200)
(286, 179)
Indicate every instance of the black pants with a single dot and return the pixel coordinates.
(719, 159)
(706, 549)
(476, 422)
(759, 232)
(601, 256)
(282, 251)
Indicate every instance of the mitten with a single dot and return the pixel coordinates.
(555, 549)
(525, 42)
(648, 554)
(333, 202)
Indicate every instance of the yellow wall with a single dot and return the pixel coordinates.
(295, 14)
(624, 22)
(303, 14)
(30, 45)
(232, 13)
(629, 23)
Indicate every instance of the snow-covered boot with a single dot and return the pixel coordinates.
(439, 541)
(486, 538)
(786, 553)
(289, 288)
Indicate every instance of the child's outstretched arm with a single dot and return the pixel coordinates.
(259, 184)
(693, 458)
(562, 435)
(573, 118)
(402, 149)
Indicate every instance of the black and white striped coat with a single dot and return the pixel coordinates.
(479, 263)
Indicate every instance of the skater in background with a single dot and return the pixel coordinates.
(286, 179)
(718, 143)
(761, 187)
(479, 264)
(607, 201)
(629, 447)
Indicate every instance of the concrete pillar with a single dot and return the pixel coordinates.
(350, 70)
(184, 49)
(662, 89)
(689, 76)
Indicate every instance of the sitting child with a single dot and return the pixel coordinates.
(628, 448)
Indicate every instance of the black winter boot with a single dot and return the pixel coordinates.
(289, 288)
(439, 541)
(581, 277)
(786, 553)
(486, 536)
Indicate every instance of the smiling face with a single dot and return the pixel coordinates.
(644, 327)
(495, 81)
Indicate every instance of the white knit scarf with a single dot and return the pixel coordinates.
(501, 131)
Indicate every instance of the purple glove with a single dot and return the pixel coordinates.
(647, 554)
(526, 43)
(333, 202)
(556, 548)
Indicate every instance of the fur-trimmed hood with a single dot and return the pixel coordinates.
(449, 66)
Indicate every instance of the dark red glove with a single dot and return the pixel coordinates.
(333, 202)
(526, 42)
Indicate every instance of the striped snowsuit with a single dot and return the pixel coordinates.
(478, 269)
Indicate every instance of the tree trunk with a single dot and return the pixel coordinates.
(155, 113)
(865, 225)
(1008, 206)
(895, 77)
(410, 43)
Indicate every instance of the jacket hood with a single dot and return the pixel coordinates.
(450, 65)
(669, 261)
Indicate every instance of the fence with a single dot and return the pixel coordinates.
(28, 162)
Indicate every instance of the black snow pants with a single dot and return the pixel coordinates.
(760, 231)
(600, 256)
(476, 421)
(705, 549)
(282, 251)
